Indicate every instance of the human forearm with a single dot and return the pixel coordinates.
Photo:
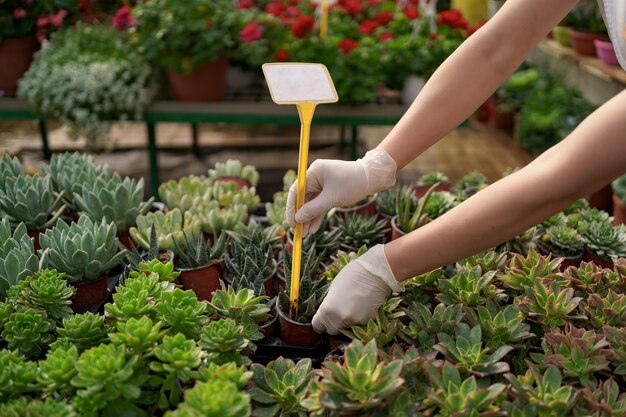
(472, 74)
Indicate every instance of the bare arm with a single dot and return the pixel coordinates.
(593, 155)
(469, 77)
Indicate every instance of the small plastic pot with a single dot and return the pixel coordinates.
(294, 333)
(583, 42)
(567, 260)
(619, 211)
(125, 239)
(602, 261)
(203, 281)
(90, 293)
(369, 208)
(269, 328)
(606, 52)
(396, 233)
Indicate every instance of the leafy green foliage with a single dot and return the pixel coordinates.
(431, 178)
(17, 377)
(228, 372)
(380, 329)
(609, 310)
(242, 306)
(424, 325)
(198, 252)
(224, 340)
(139, 336)
(164, 270)
(470, 287)
(169, 227)
(552, 305)
(57, 371)
(28, 331)
(523, 271)
(185, 193)
(361, 230)
(340, 260)
(500, 326)
(84, 331)
(214, 398)
(17, 256)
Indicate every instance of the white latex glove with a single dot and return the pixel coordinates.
(357, 292)
(335, 183)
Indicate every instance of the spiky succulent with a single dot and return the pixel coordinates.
(198, 252)
(280, 387)
(578, 353)
(323, 240)
(84, 250)
(550, 304)
(31, 200)
(488, 261)
(438, 204)
(28, 331)
(84, 330)
(114, 199)
(250, 262)
(604, 239)
(389, 200)
(185, 193)
(433, 177)
(340, 260)
(224, 340)
(242, 306)
(228, 195)
(408, 217)
(470, 287)
(57, 370)
(335, 394)
(358, 230)
(562, 240)
(523, 271)
(500, 326)
(586, 279)
(380, 329)
(266, 237)
(424, 325)
(214, 220)
(169, 227)
(214, 398)
(609, 310)
(234, 168)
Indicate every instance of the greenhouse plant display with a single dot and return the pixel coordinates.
(213, 219)
(562, 241)
(185, 193)
(252, 261)
(170, 228)
(409, 215)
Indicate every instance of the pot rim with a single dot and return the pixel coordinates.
(212, 262)
(103, 277)
(290, 321)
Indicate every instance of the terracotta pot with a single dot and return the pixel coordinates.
(35, 235)
(270, 283)
(561, 35)
(269, 328)
(602, 199)
(204, 281)
(395, 230)
(368, 208)
(125, 239)
(606, 52)
(582, 42)
(420, 190)
(90, 293)
(619, 211)
(16, 55)
(294, 333)
(241, 182)
(206, 83)
(567, 260)
(603, 261)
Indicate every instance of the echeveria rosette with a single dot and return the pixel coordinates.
(84, 250)
(10, 167)
(169, 227)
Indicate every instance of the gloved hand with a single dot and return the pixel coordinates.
(334, 183)
(357, 292)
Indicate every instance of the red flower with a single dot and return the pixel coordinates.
(19, 13)
(367, 26)
(123, 18)
(251, 32)
(302, 26)
(452, 18)
(384, 17)
(282, 55)
(245, 4)
(374, 3)
(411, 12)
(42, 21)
(473, 29)
(56, 20)
(386, 36)
(433, 36)
(275, 8)
(293, 11)
(348, 45)
(352, 7)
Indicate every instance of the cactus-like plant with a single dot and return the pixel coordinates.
(234, 168)
(198, 252)
(170, 227)
(358, 230)
(380, 329)
(523, 271)
(336, 394)
(182, 312)
(84, 250)
(438, 204)
(57, 370)
(266, 237)
(214, 220)
(185, 193)
(562, 240)
(424, 325)
(550, 304)
(28, 332)
(280, 387)
(214, 398)
(228, 195)
(10, 167)
(609, 310)
(604, 239)
(340, 260)
(431, 178)
(389, 200)
(500, 326)
(84, 330)
(323, 240)
(17, 376)
(251, 261)
(576, 352)
(223, 341)
(467, 352)
(454, 396)
(31, 200)
(114, 199)
(470, 287)
(408, 217)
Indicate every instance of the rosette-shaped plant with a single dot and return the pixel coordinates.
(198, 252)
(255, 233)
(438, 204)
(280, 387)
(169, 227)
(242, 306)
(186, 192)
(232, 168)
(470, 287)
(523, 271)
(228, 195)
(138, 335)
(28, 332)
(488, 261)
(471, 182)
(617, 339)
(84, 250)
(454, 396)
(340, 260)
(275, 211)
(586, 279)
(389, 200)
(603, 238)
(165, 270)
(214, 220)
(361, 230)
(380, 329)
(562, 240)
(224, 340)
(431, 178)
(136, 298)
(229, 372)
(84, 330)
(576, 352)
(31, 200)
(57, 370)
(606, 400)
(17, 376)
(114, 199)
(423, 327)
(550, 304)
(10, 167)
(606, 311)
(182, 312)
(249, 259)
(214, 398)
(336, 394)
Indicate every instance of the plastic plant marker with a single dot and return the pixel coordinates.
(324, 20)
(305, 86)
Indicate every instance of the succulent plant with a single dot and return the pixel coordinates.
(276, 211)
(389, 200)
(182, 312)
(197, 252)
(250, 262)
(312, 289)
(84, 250)
(228, 372)
(336, 394)
(136, 298)
(558, 219)
(106, 374)
(410, 218)
(280, 387)
(542, 391)
(228, 195)
(438, 204)
(576, 352)
(488, 261)
(424, 325)
(431, 178)
(523, 271)
(57, 371)
(323, 240)
(223, 341)
(521, 243)
(240, 305)
(606, 400)
(46, 291)
(17, 257)
(10, 167)
(139, 336)
(28, 332)
(31, 200)
(17, 376)
(84, 330)
(165, 270)
(550, 304)
(70, 171)
(35, 408)
(170, 227)
(562, 241)
(471, 181)
(177, 361)
(380, 329)
(234, 168)
(586, 214)
(470, 287)
(453, 396)
(114, 199)
(185, 193)
(619, 188)
(214, 220)
(586, 279)
(359, 230)
(604, 239)
(500, 326)
(340, 260)
(266, 237)
(467, 352)
(617, 340)
(213, 399)
(609, 310)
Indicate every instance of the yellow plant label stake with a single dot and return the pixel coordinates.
(324, 19)
(304, 85)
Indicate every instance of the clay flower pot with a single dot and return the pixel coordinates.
(583, 42)
(90, 293)
(561, 35)
(603, 261)
(206, 83)
(204, 281)
(294, 333)
(619, 211)
(567, 260)
(368, 208)
(268, 329)
(16, 55)
(420, 190)
(240, 182)
(395, 230)
(125, 239)
(606, 52)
